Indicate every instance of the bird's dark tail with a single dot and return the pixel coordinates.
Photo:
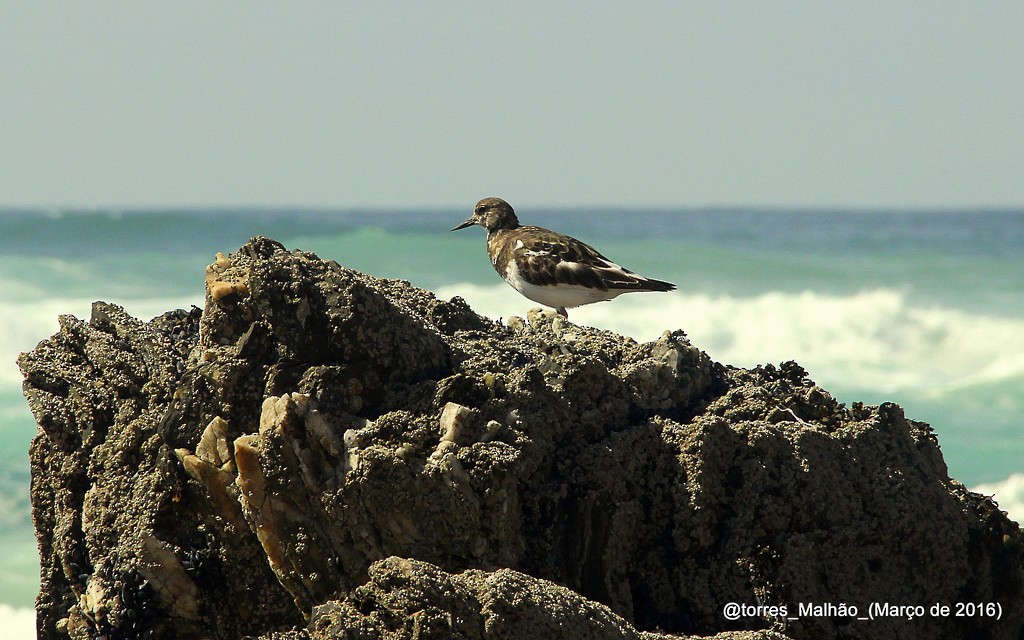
(656, 285)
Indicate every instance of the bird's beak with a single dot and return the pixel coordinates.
(468, 223)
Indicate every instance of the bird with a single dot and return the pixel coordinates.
(552, 268)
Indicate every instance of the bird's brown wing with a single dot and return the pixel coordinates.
(548, 258)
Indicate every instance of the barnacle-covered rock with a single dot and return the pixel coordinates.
(474, 605)
(325, 454)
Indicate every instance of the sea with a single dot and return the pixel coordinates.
(922, 308)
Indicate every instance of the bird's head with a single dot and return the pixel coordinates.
(491, 214)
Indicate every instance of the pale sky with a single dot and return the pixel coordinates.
(428, 104)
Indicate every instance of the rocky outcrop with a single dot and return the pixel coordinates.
(323, 454)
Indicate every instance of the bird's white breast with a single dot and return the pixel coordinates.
(561, 295)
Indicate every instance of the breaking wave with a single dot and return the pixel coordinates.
(874, 339)
(24, 322)
(1009, 493)
(17, 623)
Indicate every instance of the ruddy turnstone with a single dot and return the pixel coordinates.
(551, 268)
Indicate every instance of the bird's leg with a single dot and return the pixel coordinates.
(562, 312)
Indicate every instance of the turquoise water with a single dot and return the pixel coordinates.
(921, 308)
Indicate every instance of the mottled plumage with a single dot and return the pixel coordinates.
(552, 268)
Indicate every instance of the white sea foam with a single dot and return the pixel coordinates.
(17, 623)
(874, 339)
(24, 323)
(1009, 493)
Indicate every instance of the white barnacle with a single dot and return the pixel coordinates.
(490, 430)
(352, 443)
(453, 418)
